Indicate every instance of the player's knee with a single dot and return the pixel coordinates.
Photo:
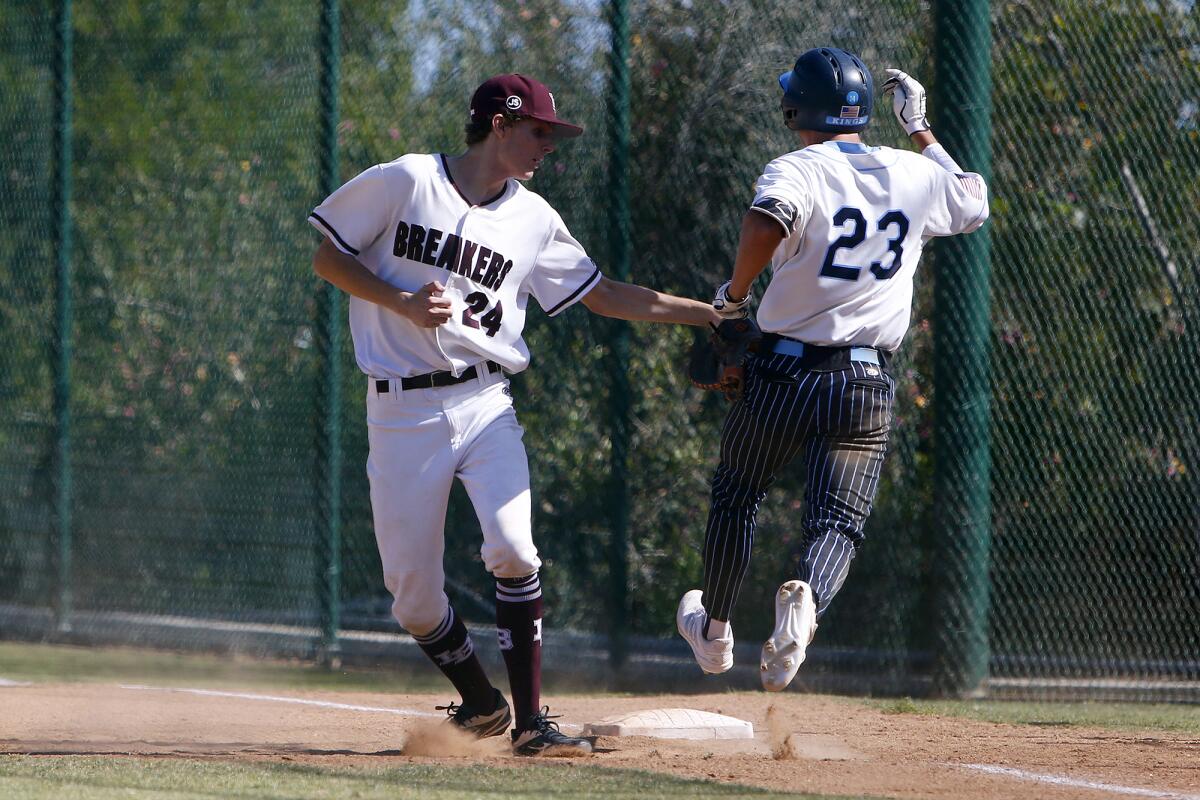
(737, 495)
(850, 530)
(417, 605)
(417, 621)
(511, 561)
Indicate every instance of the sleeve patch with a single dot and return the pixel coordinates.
(783, 211)
(973, 185)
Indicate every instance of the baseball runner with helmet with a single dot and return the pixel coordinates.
(440, 255)
(842, 224)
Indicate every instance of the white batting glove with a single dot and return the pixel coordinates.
(727, 307)
(908, 100)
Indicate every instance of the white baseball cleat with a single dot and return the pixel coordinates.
(795, 626)
(713, 655)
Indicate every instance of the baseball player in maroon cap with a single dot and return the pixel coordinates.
(441, 255)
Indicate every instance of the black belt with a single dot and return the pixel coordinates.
(433, 380)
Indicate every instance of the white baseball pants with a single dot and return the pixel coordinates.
(420, 441)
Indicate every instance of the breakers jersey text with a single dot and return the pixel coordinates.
(407, 222)
(853, 284)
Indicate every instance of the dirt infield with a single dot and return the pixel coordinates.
(803, 743)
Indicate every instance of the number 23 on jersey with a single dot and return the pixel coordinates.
(859, 229)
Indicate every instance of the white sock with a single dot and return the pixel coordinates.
(717, 629)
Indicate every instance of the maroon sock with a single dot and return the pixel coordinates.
(449, 646)
(519, 630)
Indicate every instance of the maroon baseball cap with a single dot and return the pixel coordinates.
(521, 96)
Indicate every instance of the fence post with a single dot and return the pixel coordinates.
(60, 201)
(962, 472)
(328, 341)
(620, 248)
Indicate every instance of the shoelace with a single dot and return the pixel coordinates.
(541, 719)
(451, 710)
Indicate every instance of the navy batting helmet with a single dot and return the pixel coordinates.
(828, 90)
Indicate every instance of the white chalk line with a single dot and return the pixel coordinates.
(7, 682)
(402, 712)
(1060, 780)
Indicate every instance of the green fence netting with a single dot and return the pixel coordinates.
(198, 469)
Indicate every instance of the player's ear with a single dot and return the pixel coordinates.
(500, 124)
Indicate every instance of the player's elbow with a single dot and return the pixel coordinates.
(603, 298)
(984, 213)
(323, 261)
(976, 189)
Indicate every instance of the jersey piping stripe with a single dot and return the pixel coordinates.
(585, 286)
(449, 177)
(332, 232)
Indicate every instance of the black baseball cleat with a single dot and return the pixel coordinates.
(480, 722)
(541, 737)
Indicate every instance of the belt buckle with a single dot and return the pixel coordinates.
(867, 354)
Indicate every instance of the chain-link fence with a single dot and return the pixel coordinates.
(165, 424)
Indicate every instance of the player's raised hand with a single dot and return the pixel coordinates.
(426, 307)
(908, 100)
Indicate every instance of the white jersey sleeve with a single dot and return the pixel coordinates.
(357, 214)
(959, 203)
(782, 193)
(563, 272)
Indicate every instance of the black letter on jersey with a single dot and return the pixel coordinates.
(504, 273)
(448, 258)
(491, 278)
(401, 245)
(468, 253)
(477, 274)
(431, 243)
(416, 238)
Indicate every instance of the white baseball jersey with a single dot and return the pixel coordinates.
(855, 219)
(407, 222)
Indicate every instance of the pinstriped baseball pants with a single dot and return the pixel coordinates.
(838, 422)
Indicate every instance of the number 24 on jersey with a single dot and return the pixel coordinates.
(477, 303)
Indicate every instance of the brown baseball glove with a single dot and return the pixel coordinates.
(718, 361)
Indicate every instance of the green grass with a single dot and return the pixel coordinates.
(1117, 716)
(94, 778)
(41, 663)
